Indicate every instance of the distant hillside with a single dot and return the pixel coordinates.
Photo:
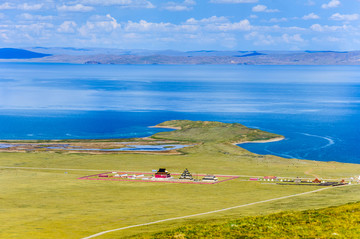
(171, 57)
(13, 53)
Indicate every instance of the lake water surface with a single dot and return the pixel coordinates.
(317, 108)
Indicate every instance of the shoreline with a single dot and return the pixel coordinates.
(165, 127)
(261, 141)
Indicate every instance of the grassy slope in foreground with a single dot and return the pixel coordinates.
(333, 222)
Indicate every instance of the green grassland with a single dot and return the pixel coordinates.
(333, 222)
(49, 203)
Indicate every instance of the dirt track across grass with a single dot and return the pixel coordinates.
(205, 213)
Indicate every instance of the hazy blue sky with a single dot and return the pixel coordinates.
(182, 24)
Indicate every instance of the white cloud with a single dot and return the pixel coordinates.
(5, 37)
(215, 23)
(292, 38)
(110, 22)
(310, 16)
(120, 3)
(213, 19)
(326, 28)
(283, 19)
(331, 4)
(177, 8)
(317, 28)
(98, 24)
(75, 8)
(333, 39)
(30, 17)
(345, 17)
(243, 25)
(7, 5)
(189, 2)
(263, 8)
(67, 27)
(277, 28)
(233, 1)
(310, 3)
(199, 30)
(28, 7)
(183, 6)
(144, 26)
(260, 39)
(209, 25)
(37, 29)
(24, 6)
(259, 8)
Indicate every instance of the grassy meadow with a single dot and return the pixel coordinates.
(333, 222)
(49, 201)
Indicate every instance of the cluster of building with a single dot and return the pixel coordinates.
(186, 175)
(163, 175)
(293, 180)
(160, 175)
(265, 178)
(299, 181)
(123, 176)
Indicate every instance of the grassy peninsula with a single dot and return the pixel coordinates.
(43, 198)
(212, 132)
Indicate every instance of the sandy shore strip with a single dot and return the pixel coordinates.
(261, 141)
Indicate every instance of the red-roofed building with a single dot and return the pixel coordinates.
(270, 177)
(162, 173)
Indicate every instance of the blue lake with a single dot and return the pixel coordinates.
(317, 108)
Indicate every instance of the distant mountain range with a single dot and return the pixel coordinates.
(120, 56)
